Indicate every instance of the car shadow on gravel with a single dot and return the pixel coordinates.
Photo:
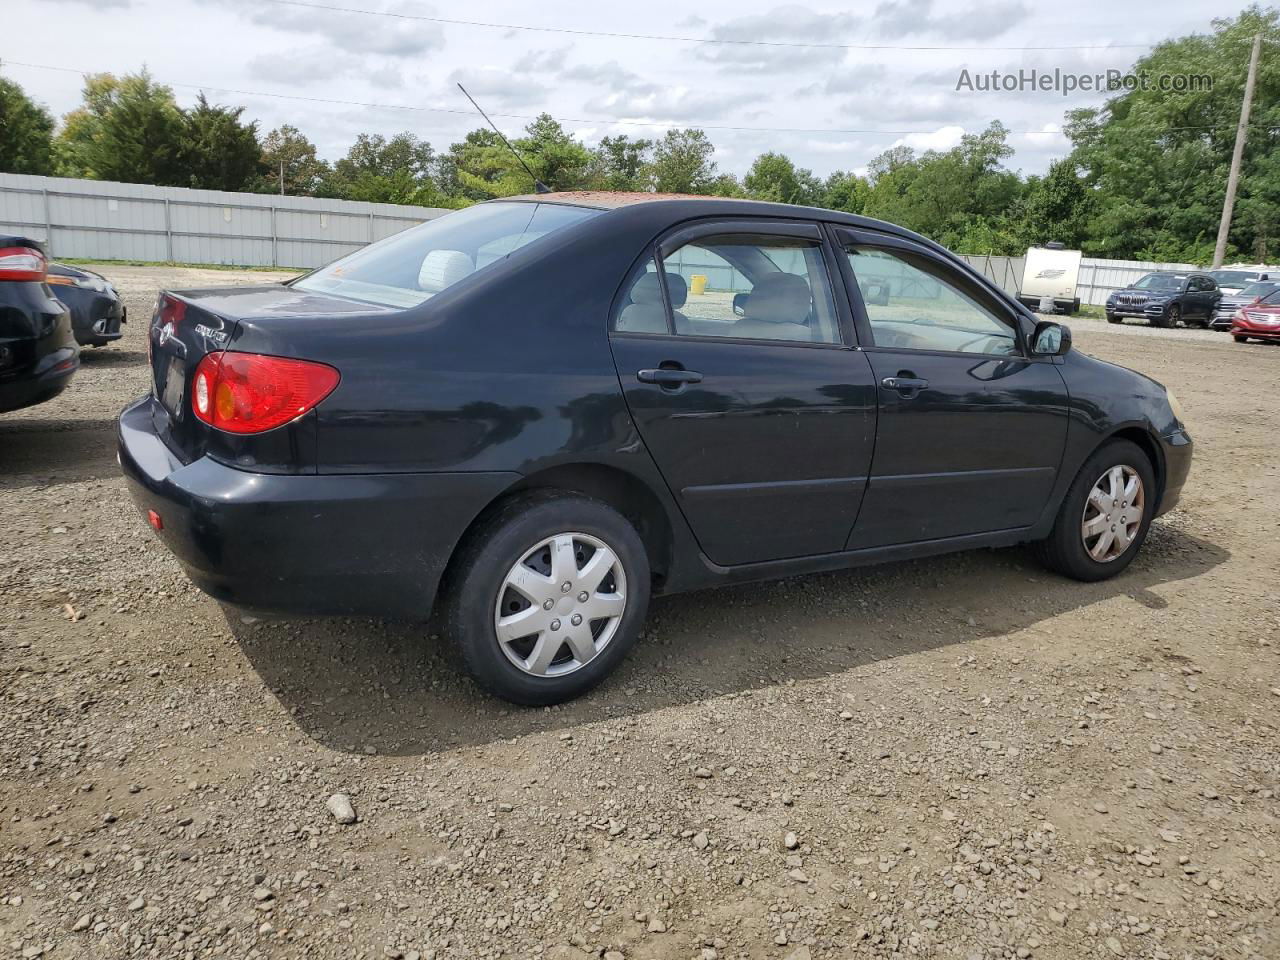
(111, 357)
(44, 453)
(365, 686)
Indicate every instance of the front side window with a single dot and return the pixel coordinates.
(913, 304)
(406, 269)
(744, 286)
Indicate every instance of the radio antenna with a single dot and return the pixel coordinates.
(538, 185)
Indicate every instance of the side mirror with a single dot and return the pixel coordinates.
(1050, 339)
(740, 303)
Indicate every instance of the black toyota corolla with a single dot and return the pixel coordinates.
(531, 414)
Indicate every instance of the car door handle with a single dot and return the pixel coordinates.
(905, 385)
(669, 376)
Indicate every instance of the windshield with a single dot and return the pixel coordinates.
(1160, 281)
(1233, 278)
(1272, 299)
(410, 267)
(1259, 289)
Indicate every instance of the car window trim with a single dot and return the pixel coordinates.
(686, 233)
(843, 235)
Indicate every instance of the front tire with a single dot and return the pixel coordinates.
(1239, 339)
(522, 633)
(1105, 516)
(1112, 318)
(1172, 320)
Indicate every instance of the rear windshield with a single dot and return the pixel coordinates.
(413, 266)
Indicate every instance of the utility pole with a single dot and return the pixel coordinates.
(282, 175)
(1233, 178)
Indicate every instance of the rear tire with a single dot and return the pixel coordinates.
(1068, 550)
(510, 576)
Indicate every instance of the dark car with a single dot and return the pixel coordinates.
(519, 414)
(1165, 299)
(38, 353)
(96, 310)
(1228, 305)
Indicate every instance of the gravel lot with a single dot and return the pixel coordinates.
(964, 757)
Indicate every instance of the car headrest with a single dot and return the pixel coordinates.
(647, 290)
(442, 268)
(779, 298)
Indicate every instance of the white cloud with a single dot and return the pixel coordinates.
(944, 138)
(793, 24)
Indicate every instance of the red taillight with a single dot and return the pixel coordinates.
(250, 393)
(22, 263)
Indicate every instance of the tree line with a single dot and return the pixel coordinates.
(1144, 177)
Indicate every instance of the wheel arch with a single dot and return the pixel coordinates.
(623, 491)
(1144, 438)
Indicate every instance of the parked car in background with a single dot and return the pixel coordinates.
(38, 352)
(1165, 299)
(1259, 320)
(1232, 280)
(96, 309)
(519, 413)
(1229, 304)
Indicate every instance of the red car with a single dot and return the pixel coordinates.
(1259, 320)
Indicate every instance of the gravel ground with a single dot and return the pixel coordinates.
(957, 758)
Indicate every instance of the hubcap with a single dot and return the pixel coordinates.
(1113, 513)
(560, 605)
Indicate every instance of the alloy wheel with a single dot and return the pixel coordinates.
(560, 604)
(1113, 513)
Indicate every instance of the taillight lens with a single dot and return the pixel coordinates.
(22, 263)
(251, 393)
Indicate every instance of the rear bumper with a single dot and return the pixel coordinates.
(368, 544)
(1177, 449)
(44, 381)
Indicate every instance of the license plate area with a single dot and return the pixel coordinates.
(174, 388)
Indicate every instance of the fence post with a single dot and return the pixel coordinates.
(48, 223)
(168, 231)
(371, 226)
(275, 239)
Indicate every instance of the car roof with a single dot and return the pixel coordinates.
(686, 206)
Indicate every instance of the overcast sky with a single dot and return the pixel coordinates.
(907, 96)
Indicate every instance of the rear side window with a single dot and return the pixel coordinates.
(413, 266)
(738, 285)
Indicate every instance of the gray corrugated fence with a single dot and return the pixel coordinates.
(1098, 277)
(100, 220)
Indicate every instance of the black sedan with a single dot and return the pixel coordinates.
(531, 414)
(38, 353)
(96, 309)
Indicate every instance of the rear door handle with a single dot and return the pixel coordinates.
(907, 386)
(668, 376)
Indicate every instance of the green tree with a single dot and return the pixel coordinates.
(773, 176)
(128, 129)
(482, 167)
(1055, 207)
(218, 151)
(26, 132)
(682, 163)
(845, 191)
(1157, 161)
(379, 170)
(287, 153)
(618, 163)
